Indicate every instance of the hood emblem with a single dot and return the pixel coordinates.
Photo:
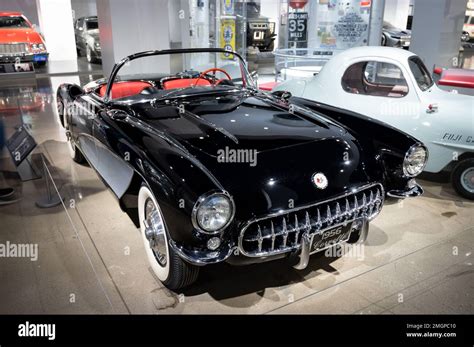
(320, 180)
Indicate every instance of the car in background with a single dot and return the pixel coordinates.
(86, 31)
(468, 28)
(394, 86)
(395, 37)
(307, 178)
(19, 40)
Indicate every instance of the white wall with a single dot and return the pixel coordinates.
(55, 17)
(129, 27)
(270, 9)
(84, 8)
(436, 32)
(396, 12)
(27, 7)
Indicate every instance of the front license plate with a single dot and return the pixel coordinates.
(331, 237)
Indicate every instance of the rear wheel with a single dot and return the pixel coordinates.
(462, 178)
(75, 154)
(170, 269)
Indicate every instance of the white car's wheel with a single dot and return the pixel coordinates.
(462, 178)
(170, 269)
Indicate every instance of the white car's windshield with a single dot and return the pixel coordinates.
(181, 72)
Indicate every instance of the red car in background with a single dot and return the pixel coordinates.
(19, 41)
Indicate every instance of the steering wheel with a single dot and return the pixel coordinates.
(213, 69)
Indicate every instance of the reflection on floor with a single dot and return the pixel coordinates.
(417, 259)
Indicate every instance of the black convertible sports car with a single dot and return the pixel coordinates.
(212, 170)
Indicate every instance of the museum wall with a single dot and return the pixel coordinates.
(84, 8)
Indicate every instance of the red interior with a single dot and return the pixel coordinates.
(124, 89)
(185, 83)
(268, 86)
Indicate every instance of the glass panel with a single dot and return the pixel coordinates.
(420, 73)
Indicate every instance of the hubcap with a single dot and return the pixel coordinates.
(155, 232)
(467, 179)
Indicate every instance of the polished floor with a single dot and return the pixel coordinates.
(418, 257)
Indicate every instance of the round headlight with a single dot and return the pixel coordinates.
(212, 213)
(415, 160)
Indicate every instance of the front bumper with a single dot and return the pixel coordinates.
(291, 232)
(412, 190)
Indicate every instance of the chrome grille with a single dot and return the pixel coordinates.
(282, 232)
(13, 48)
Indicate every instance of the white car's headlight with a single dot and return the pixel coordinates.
(415, 160)
(213, 212)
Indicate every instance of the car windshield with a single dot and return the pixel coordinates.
(175, 73)
(420, 73)
(387, 25)
(92, 25)
(13, 22)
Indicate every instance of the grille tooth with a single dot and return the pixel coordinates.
(285, 232)
(378, 200)
(260, 238)
(272, 235)
(297, 228)
(338, 213)
(364, 204)
(356, 207)
(328, 216)
(319, 222)
(371, 202)
(348, 209)
(307, 225)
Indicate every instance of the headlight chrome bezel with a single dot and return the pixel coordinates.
(410, 152)
(201, 201)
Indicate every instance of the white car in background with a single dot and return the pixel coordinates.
(394, 86)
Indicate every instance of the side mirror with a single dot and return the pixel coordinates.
(254, 75)
(282, 95)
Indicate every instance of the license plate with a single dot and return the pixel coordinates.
(337, 234)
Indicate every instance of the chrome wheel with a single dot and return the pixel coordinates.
(155, 232)
(467, 179)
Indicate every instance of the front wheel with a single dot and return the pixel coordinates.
(170, 269)
(462, 178)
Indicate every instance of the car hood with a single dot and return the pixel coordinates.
(93, 33)
(397, 32)
(256, 147)
(27, 35)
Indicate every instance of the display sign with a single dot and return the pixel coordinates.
(298, 27)
(342, 24)
(20, 145)
(228, 7)
(227, 37)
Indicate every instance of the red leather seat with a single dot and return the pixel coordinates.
(124, 89)
(185, 83)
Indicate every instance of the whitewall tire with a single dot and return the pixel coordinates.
(170, 269)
